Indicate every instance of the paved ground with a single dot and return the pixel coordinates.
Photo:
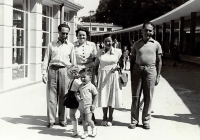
(176, 114)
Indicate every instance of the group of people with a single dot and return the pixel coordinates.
(93, 77)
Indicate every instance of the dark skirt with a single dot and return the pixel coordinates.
(70, 101)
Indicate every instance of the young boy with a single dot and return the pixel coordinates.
(87, 101)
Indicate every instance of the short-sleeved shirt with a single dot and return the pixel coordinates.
(86, 93)
(85, 53)
(146, 53)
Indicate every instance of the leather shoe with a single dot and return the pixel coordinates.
(50, 125)
(132, 126)
(63, 124)
(146, 126)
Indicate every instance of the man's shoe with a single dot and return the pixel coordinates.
(50, 125)
(132, 126)
(146, 126)
(63, 124)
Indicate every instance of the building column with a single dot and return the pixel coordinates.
(157, 32)
(62, 10)
(192, 31)
(171, 35)
(35, 39)
(181, 34)
(73, 26)
(164, 37)
(6, 23)
(56, 21)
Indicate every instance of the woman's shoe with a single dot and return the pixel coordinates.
(104, 123)
(74, 134)
(85, 135)
(110, 122)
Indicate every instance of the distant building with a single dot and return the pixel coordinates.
(99, 27)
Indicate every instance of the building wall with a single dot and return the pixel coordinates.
(25, 30)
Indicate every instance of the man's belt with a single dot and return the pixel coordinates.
(57, 66)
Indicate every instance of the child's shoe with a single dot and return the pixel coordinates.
(94, 131)
(85, 135)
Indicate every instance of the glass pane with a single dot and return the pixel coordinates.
(18, 37)
(45, 24)
(17, 72)
(46, 10)
(43, 53)
(18, 56)
(51, 12)
(45, 39)
(18, 19)
(18, 4)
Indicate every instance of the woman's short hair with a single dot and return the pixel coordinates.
(82, 29)
(63, 25)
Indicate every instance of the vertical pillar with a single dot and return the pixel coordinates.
(72, 24)
(192, 32)
(171, 35)
(157, 33)
(164, 36)
(181, 34)
(36, 39)
(56, 21)
(62, 10)
(6, 23)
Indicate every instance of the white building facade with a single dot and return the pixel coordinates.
(26, 28)
(99, 27)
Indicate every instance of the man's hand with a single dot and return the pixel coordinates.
(92, 108)
(44, 78)
(157, 80)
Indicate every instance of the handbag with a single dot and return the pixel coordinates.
(70, 99)
(123, 78)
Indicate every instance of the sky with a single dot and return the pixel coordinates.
(88, 6)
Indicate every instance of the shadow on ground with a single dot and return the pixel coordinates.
(184, 79)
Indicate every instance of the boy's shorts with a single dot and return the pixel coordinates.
(85, 110)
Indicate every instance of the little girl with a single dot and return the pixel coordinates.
(87, 101)
(70, 99)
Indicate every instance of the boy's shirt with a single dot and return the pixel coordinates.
(86, 93)
(75, 85)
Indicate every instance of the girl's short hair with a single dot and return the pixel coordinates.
(82, 29)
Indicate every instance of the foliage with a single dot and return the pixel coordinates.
(133, 12)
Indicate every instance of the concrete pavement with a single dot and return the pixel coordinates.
(176, 116)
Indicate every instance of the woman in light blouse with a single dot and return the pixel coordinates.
(85, 52)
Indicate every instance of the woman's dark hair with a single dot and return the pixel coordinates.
(106, 35)
(82, 29)
(63, 25)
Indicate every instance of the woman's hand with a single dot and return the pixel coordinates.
(92, 108)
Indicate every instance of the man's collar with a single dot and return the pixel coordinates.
(150, 40)
(59, 41)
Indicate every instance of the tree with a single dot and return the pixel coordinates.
(133, 12)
